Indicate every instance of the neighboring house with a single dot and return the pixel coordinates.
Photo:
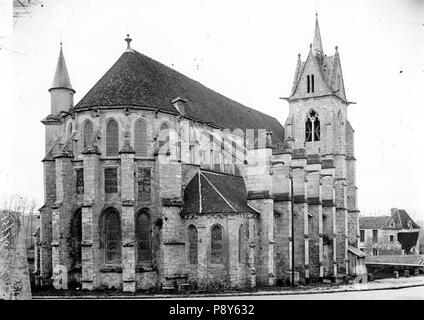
(388, 235)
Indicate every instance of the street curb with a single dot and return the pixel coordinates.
(240, 294)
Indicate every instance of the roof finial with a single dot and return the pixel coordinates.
(128, 40)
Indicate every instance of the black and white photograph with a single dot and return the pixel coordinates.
(193, 151)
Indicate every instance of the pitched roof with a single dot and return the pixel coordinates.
(217, 193)
(328, 66)
(372, 222)
(400, 218)
(61, 77)
(137, 80)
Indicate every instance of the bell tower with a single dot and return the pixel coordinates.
(317, 125)
(317, 103)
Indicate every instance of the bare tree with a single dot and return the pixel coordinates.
(22, 8)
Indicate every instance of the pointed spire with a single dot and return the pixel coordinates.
(297, 72)
(317, 44)
(61, 76)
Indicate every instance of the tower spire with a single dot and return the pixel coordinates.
(61, 77)
(317, 44)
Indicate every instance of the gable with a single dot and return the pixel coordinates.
(311, 67)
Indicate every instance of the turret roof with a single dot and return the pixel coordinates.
(61, 76)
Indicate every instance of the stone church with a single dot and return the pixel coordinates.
(154, 181)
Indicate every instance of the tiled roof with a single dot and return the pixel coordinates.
(219, 193)
(372, 222)
(400, 218)
(137, 80)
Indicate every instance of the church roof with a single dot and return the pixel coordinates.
(137, 80)
(61, 77)
(217, 193)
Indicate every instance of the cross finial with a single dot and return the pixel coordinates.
(128, 40)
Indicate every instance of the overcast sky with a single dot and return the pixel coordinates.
(246, 50)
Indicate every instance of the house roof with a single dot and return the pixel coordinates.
(137, 80)
(400, 218)
(209, 192)
(372, 222)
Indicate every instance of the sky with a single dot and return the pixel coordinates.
(246, 50)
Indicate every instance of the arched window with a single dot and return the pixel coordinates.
(70, 129)
(88, 133)
(241, 243)
(308, 81)
(111, 234)
(164, 138)
(192, 244)
(76, 239)
(312, 127)
(140, 138)
(217, 248)
(312, 83)
(112, 138)
(142, 234)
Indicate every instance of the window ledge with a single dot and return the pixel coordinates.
(111, 268)
(145, 268)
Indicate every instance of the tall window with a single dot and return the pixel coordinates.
(181, 145)
(392, 238)
(217, 248)
(312, 127)
(192, 244)
(144, 184)
(140, 138)
(143, 236)
(76, 239)
(164, 138)
(308, 83)
(80, 180)
(375, 236)
(111, 236)
(88, 133)
(362, 235)
(111, 180)
(241, 244)
(112, 138)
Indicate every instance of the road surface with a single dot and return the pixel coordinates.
(392, 294)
